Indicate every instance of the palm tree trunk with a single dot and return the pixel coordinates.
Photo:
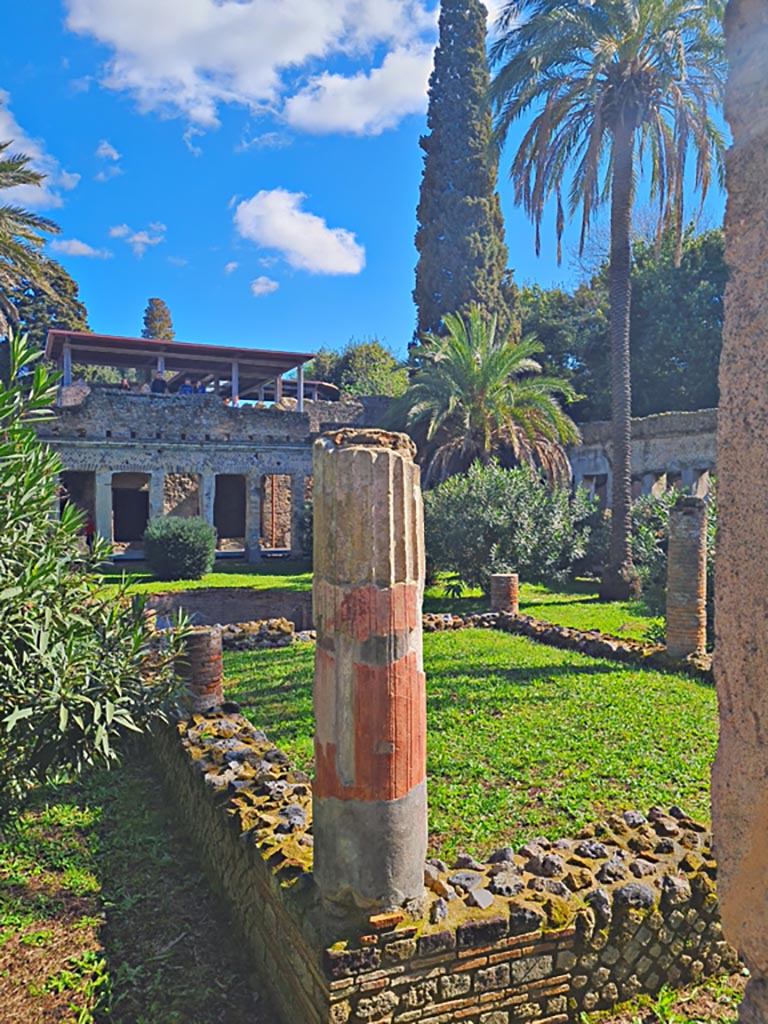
(620, 580)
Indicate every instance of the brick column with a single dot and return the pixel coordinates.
(370, 796)
(739, 791)
(156, 493)
(505, 592)
(687, 578)
(207, 494)
(200, 667)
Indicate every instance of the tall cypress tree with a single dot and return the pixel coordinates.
(460, 234)
(157, 321)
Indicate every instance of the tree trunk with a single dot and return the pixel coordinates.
(620, 580)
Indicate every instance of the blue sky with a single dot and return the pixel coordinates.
(253, 163)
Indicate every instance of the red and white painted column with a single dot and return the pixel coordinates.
(370, 795)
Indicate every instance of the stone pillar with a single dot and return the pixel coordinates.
(370, 795)
(103, 503)
(156, 493)
(298, 487)
(200, 666)
(253, 516)
(687, 578)
(505, 592)
(207, 494)
(739, 791)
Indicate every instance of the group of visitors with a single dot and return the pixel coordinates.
(159, 386)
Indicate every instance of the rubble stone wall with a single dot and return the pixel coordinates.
(540, 934)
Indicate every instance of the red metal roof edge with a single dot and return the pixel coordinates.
(158, 344)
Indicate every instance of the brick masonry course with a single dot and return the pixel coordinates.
(540, 934)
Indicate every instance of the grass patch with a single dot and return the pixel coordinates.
(105, 916)
(291, 576)
(573, 604)
(524, 739)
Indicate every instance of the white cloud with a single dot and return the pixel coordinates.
(275, 220)
(365, 103)
(106, 151)
(200, 54)
(139, 241)
(44, 196)
(74, 247)
(231, 267)
(109, 172)
(188, 136)
(264, 286)
(178, 261)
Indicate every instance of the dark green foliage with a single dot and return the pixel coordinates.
(57, 307)
(499, 520)
(479, 393)
(675, 328)
(460, 234)
(362, 368)
(179, 548)
(157, 321)
(77, 668)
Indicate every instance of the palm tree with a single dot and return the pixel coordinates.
(479, 394)
(21, 237)
(614, 85)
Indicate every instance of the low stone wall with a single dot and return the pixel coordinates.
(211, 606)
(539, 934)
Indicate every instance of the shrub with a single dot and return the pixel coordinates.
(77, 669)
(505, 520)
(179, 548)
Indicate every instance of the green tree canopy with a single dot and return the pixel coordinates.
(58, 306)
(675, 327)
(362, 368)
(22, 236)
(606, 87)
(460, 234)
(479, 394)
(157, 321)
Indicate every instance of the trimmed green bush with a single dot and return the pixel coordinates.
(505, 520)
(179, 548)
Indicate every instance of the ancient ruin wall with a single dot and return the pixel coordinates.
(539, 934)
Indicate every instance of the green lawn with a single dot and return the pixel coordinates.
(524, 739)
(105, 915)
(266, 575)
(573, 604)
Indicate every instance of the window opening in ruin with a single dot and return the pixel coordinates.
(276, 511)
(130, 507)
(229, 511)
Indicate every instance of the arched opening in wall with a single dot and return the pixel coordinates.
(181, 494)
(130, 509)
(229, 511)
(78, 488)
(276, 511)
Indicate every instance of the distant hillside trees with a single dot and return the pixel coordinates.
(460, 234)
(157, 321)
(361, 368)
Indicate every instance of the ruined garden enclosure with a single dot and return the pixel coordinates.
(327, 880)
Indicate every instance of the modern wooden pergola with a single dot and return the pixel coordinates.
(238, 373)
